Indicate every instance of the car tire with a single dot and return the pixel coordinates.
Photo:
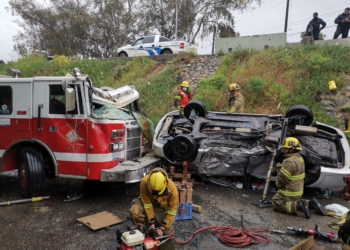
(184, 148)
(198, 108)
(123, 54)
(31, 173)
(298, 110)
(167, 52)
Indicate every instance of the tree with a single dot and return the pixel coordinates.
(195, 16)
(84, 28)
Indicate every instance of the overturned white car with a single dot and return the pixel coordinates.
(221, 144)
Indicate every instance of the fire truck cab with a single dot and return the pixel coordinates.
(64, 127)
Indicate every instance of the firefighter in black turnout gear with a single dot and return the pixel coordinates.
(313, 28)
(343, 21)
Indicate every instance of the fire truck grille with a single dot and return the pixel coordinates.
(132, 154)
(133, 144)
(132, 133)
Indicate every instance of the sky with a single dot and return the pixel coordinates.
(267, 18)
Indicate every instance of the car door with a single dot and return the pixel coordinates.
(137, 45)
(147, 47)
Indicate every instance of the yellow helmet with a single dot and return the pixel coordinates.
(158, 180)
(291, 142)
(234, 86)
(185, 84)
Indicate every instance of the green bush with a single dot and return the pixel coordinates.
(277, 92)
(318, 62)
(214, 83)
(256, 85)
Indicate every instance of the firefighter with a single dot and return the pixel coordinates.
(158, 202)
(344, 234)
(290, 183)
(236, 101)
(183, 97)
(313, 28)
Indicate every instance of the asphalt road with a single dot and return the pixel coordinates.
(52, 224)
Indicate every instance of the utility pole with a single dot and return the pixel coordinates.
(286, 21)
(176, 10)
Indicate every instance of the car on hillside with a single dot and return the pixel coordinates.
(223, 144)
(155, 45)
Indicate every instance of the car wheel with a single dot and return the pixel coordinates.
(184, 147)
(123, 54)
(167, 52)
(31, 173)
(195, 107)
(301, 112)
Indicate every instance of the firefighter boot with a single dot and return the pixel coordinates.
(302, 206)
(315, 205)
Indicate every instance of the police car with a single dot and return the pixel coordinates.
(155, 45)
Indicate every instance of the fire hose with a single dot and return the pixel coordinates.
(231, 236)
(240, 238)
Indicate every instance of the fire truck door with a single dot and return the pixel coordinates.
(64, 132)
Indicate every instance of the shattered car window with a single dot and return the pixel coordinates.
(111, 112)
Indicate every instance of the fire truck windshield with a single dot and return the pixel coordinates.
(110, 112)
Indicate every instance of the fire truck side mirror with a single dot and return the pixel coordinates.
(69, 96)
(70, 99)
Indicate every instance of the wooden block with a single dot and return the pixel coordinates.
(182, 195)
(196, 208)
(180, 176)
(189, 195)
(189, 184)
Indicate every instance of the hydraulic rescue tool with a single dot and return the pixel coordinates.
(263, 203)
(318, 235)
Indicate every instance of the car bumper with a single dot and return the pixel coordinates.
(129, 171)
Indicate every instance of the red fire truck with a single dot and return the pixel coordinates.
(64, 127)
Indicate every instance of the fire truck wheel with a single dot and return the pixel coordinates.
(31, 173)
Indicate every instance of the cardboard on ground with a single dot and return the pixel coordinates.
(100, 220)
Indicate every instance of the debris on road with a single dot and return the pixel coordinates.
(100, 220)
(72, 197)
(196, 208)
(308, 244)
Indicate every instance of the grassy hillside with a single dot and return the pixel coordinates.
(293, 75)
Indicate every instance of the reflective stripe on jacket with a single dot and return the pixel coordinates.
(184, 98)
(169, 201)
(291, 177)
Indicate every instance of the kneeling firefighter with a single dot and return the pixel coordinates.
(158, 202)
(290, 183)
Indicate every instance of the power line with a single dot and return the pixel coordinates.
(259, 11)
(273, 27)
(289, 23)
(303, 31)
